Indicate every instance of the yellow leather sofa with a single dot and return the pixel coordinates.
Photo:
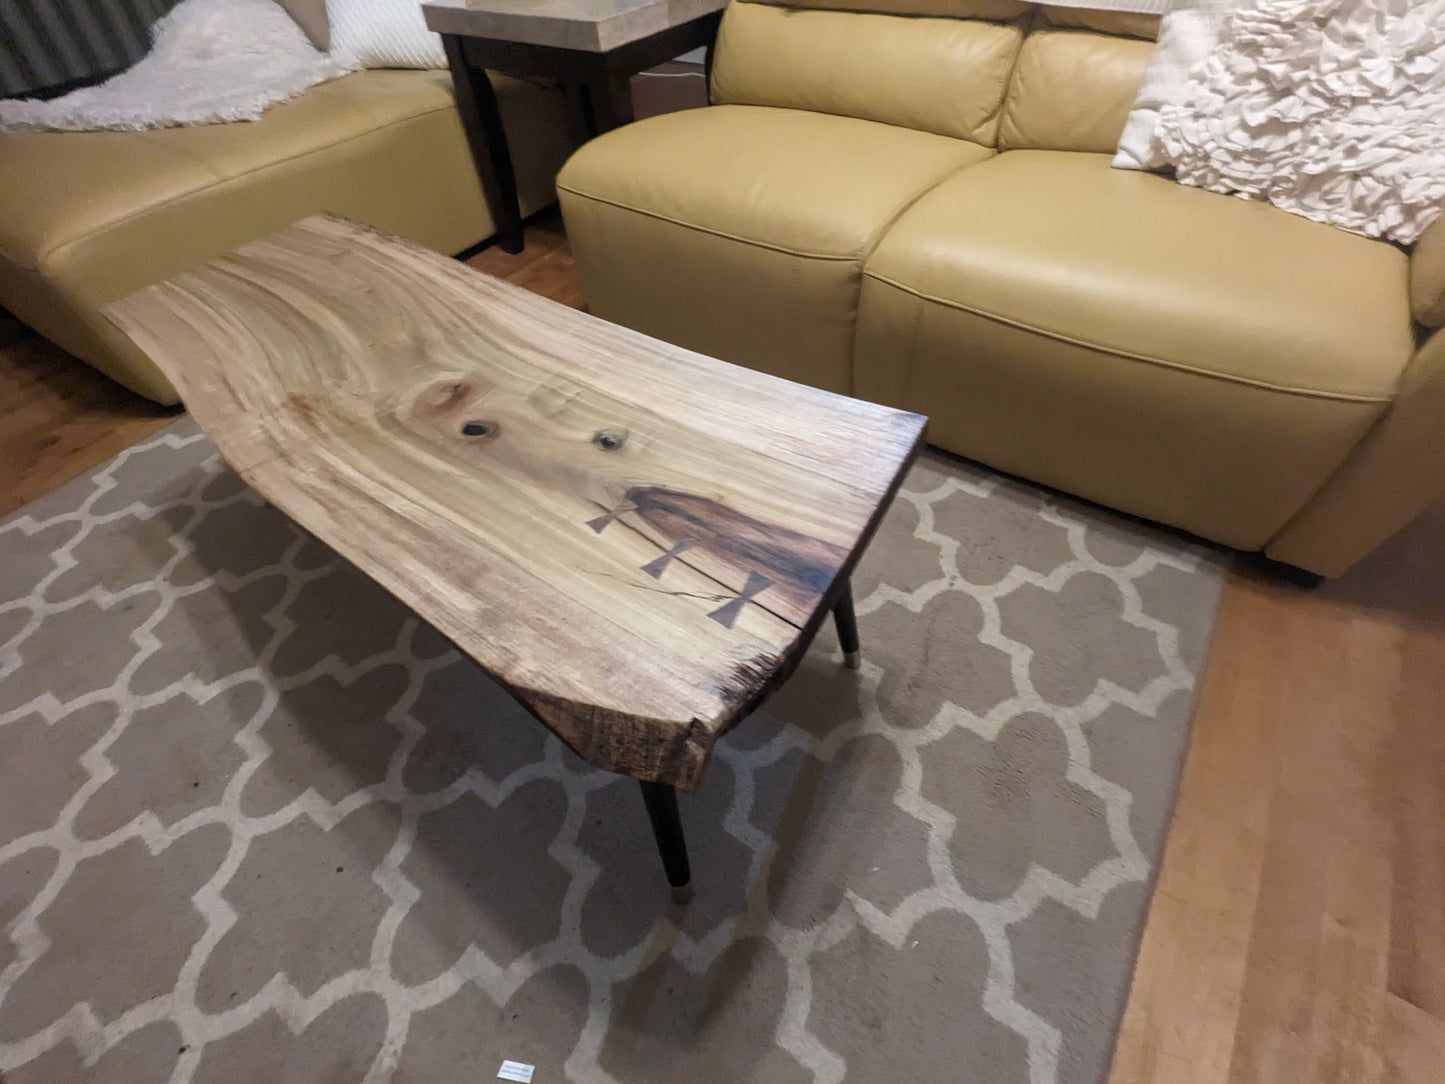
(912, 202)
(89, 217)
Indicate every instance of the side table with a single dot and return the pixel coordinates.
(590, 47)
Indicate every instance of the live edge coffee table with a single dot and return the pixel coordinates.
(636, 541)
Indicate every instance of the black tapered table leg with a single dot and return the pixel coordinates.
(847, 623)
(661, 802)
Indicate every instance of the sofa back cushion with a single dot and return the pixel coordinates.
(942, 75)
(1072, 89)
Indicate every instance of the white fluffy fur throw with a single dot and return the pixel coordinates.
(1332, 109)
(212, 60)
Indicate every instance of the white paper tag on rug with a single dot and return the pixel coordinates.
(516, 1070)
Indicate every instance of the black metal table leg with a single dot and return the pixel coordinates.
(661, 802)
(847, 623)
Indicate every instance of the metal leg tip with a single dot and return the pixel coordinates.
(682, 894)
(852, 659)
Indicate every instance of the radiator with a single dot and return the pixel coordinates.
(48, 43)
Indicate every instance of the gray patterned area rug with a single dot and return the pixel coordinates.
(258, 823)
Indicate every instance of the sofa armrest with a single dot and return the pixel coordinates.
(1427, 276)
(1393, 475)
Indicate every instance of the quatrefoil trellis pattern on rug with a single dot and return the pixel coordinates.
(257, 822)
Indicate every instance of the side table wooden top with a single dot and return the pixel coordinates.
(594, 26)
(637, 541)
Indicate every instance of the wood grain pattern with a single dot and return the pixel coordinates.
(1296, 931)
(637, 541)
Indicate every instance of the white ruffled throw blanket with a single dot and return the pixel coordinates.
(1331, 109)
(212, 61)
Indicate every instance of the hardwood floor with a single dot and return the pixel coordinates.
(544, 266)
(59, 418)
(1297, 934)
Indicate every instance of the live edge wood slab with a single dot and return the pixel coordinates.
(638, 542)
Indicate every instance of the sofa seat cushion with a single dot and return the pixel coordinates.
(1193, 358)
(92, 216)
(703, 226)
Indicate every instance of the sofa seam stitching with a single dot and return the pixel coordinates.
(867, 251)
(1315, 393)
(909, 356)
(854, 257)
(1032, 19)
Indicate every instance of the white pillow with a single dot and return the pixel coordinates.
(1186, 37)
(1330, 109)
(383, 34)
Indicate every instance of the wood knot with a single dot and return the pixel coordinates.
(449, 396)
(610, 439)
(479, 429)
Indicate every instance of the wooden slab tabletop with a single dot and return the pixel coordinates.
(637, 541)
